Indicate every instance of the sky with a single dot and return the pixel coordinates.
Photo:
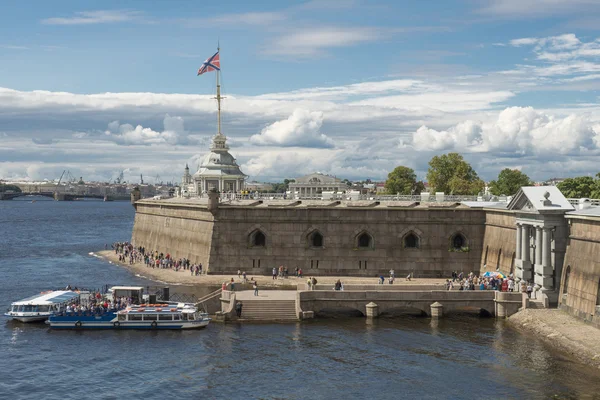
(349, 88)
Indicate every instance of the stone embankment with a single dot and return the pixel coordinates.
(184, 277)
(561, 331)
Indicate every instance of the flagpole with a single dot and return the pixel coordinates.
(218, 97)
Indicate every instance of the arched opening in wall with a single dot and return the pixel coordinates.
(565, 289)
(458, 241)
(411, 241)
(402, 312)
(316, 239)
(258, 239)
(339, 312)
(498, 261)
(364, 241)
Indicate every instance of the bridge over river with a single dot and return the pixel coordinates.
(371, 301)
(60, 196)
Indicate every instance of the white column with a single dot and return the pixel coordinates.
(518, 250)
(538, 245)
(525, 242)
(547, 244)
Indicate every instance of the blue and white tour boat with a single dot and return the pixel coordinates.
(41, 306)
(141, 316)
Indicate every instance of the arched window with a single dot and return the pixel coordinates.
(316, 239)
(364, 240)
(411, 241)
(459, 241)
(258, 239)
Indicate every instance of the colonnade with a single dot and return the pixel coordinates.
(535, 266)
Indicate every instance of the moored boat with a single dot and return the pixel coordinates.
(41, 306)
(142, 316)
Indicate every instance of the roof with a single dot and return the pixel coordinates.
(590, 212)
(127, 288)
(540, 198)
(46, 298)
(484, 204)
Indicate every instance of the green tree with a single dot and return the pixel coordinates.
(403, 180)
(509, 182)
(578, 187)
(596, 188)
(4, 187)
(451, 174)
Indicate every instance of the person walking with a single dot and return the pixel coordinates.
(238, 309)
(255, 287)
(274, 273)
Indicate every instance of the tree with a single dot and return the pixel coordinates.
(578, 187)
(509, 182)
(596, 188)
(451, 174)
(403, 180)
(4, 187)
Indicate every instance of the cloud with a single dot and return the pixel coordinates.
(537, 8)
(13, 47)
(96, 17)
(517, 130)
(237, 19)
(42, 141)
(311, 41)
(126, 134)
(302, 129)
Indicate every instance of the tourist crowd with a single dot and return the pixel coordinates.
(495, 281)
(153, 259)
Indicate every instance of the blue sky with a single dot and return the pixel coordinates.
(352, 88)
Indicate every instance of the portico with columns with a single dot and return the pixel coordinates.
(541, 237)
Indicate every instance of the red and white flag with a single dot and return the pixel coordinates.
(211, 64)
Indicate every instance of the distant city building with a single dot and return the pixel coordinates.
(313, 185)
(259, 186)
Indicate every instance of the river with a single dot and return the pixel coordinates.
(46, 244)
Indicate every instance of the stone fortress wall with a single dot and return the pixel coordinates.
(498, 250)
(581, 270)
(226, 241)
(289, 241)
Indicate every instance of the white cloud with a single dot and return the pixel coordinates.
(537, 8)
(126, 134)
(302, 128)
(236, 19)
(95, 17)
(312, 41)
(517, 130)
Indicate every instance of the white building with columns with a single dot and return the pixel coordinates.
(312, 185)
(541, 239)
(218, 170)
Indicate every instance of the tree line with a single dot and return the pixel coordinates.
(451, 174)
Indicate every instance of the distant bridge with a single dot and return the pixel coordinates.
(62, 196)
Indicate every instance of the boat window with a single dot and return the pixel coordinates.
(176, 317)
(135, 317)
(43, 308)
(165, 317)
(122, 317)
(28, 309)
(15, 308)
(149, 317)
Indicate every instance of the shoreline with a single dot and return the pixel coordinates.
(561, 331)
(183, 277)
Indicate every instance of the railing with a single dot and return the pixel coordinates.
(224, 197)
(593, 202)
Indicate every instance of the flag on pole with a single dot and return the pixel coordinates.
(211, 64)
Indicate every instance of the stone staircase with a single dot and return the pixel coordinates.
(269, 310)
(536, 304)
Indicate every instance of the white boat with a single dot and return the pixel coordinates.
(142, 316)
(41, 306)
